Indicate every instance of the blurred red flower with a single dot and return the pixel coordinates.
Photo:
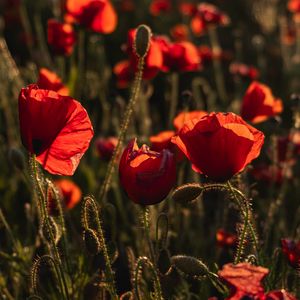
(291, 250)
(206, 54)
(158, 7)
(219, 145)
(146, 176)
(153, 61)
(124, 74)
(55, 128)
(244, 280)
(187, 8)
(207, 15)
(61, 37)
(70, 192)
(51, 81)
(259, 104)
(186, 116)
(97, 15)
(106, 147)
(294, 6)
(268, 173)
(225, 239)
(244, 71)
(180, 33)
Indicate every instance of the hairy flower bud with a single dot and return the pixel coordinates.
(142, 40)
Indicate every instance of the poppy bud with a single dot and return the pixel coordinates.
(52, 229)
(142, 40)
(189, 265)
(147, 176)
(187, 193)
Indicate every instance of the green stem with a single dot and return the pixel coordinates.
(216, 50)
(146, 225)
(248, 222)
(108, 268)
(122, 133)
(45, 218)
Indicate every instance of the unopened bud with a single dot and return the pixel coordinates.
(142, 40)
(91, 241)
(187, 193)
(189, 265)
(52, 229)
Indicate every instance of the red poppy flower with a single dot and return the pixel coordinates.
(97, 15)
(187, 8)
(158, 7)
(55, 128)
(147, 176)
(185, 116)
(279, 295)
(225, 239)
(106, 147)
(50, 81)
(294, 6)
(291, 250)
(182, 56)
(219, 145)
(259, 104)
(244, 280)
(244, 71)
(61, 37)
(180, 33)
(124, 74)
(207, 15)
(71, 193)
(153, 60)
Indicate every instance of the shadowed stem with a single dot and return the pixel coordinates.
(123, 130)
(216, 50)
(109, 274)
(248, 222)
(44, 215)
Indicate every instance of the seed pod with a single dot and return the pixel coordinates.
(91, 241)
(163, 261)
(187, 193)
(17, 158)
(189, 265)
(142, 40)
(54, 230)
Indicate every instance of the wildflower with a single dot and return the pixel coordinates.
(244, 280)
(51, 81)
(219, 145)
(180, 33)
(291, 250)
(61, 37)
(205, 16)
(55, 128)
(96, 15)
(225, 239)
(279, 295)
(146, 176)
(185, 116)
(243, 71)
(158, 7)
(106, 147)
(294, 6)
(70, 192)
(124, 73)
(259, 104)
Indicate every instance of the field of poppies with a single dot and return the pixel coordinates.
(149, 149)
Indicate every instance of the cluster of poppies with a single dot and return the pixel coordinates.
(96, 15)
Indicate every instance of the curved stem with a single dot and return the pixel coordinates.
(45, 217)
(248, 222)
(123, 130)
